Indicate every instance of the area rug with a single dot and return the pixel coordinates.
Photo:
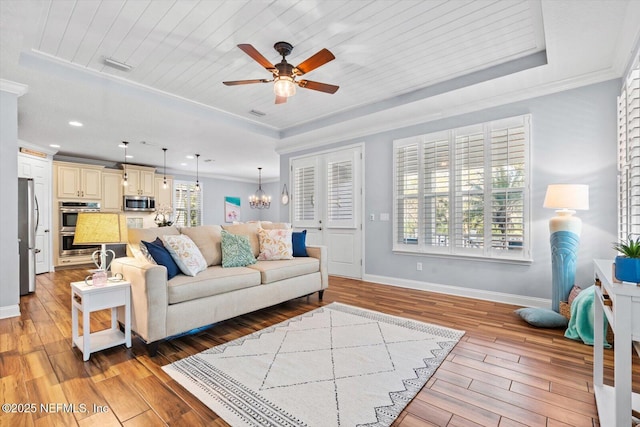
(337, 365)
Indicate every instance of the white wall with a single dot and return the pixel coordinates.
(9, 258)
(573, 141)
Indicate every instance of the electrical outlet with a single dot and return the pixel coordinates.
(419, 266)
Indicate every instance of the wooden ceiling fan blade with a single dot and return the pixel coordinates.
(281, 99)
(257, 56)
(314, 62)
(322, 87)
(245, 82)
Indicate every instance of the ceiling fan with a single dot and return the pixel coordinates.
(284, 74)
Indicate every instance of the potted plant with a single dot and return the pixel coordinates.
(627, 265)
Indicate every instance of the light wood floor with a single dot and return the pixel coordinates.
(502, 372)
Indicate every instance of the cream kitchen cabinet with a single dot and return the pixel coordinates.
(111, 191)
(140, 181)
(75, 181)
(164, 196)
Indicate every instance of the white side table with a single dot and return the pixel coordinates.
(93, 298)
(620, 303)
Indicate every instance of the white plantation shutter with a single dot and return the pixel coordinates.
(469, 188)
(187, 204)
(473, 183)
(304, 194)
(436, 205)
(406, 193)
(508, 171)
(340, 191)
(629, 155)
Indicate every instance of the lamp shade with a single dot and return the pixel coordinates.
(567, 196)
(99, 228)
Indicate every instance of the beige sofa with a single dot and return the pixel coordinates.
(163, 308)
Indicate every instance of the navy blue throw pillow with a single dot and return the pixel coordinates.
(299, 238)
(161, 256)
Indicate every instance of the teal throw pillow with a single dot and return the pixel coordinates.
(236, 250)
(542, 317)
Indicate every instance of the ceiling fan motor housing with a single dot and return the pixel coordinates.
(283, 48)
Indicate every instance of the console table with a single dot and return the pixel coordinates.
(620, 303)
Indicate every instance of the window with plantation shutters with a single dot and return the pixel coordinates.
(629, 155)
(304, 193)
(187, 204)
(464, 191)
(340, 192)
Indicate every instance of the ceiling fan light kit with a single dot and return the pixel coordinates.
(284, 74)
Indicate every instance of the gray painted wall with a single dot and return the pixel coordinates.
(9, 259)
(215, 189)
(573, 141)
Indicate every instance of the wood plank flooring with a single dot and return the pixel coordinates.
(502, 373)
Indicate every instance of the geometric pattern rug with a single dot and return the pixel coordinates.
(337, 365)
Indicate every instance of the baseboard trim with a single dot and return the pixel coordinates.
(9, 311)
(459, 291)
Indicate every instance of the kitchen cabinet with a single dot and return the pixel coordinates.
(140, 181)
(164, 196)
(75, 181)
(111, 191)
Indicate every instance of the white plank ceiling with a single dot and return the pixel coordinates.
(184, 50)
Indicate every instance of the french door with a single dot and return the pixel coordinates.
(327, 202)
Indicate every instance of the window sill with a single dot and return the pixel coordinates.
(467, 257)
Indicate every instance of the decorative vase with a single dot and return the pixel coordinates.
(627, 269)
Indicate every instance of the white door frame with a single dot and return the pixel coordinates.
(360, 212)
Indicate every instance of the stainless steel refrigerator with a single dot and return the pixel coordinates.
(28, 218)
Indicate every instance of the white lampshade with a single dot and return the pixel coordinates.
(567, 196)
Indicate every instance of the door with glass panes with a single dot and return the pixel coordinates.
(327, 202)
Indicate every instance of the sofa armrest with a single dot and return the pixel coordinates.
(320, 252)
(149, 296)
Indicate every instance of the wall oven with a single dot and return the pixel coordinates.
(68, 218)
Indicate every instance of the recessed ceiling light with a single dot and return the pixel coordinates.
(129, 156)
(190, 157)
(122, 146)
(183, 164)
(54, 145)
(75, 123)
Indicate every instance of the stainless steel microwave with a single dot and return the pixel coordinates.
(139, 203)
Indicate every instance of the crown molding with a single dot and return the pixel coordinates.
(16, 88)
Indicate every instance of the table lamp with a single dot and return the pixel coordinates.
(100, 228)
(565, 231)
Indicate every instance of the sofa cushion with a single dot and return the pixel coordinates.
(275, 244)
(299, 241)
(208, 238)
(248, 229)
(135, 235)
(236, 250)
(213, 281)
(185, 253)
(162, 256)
(268, 225)
(273, 271)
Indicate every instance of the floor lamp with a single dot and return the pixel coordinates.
(565, 231)
(100, 228)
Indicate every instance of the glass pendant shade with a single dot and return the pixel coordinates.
(284, 86)
(259, 200)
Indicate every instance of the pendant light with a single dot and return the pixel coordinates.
(164, 182)
(197, 174)
(259, 200)
(125, 180)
